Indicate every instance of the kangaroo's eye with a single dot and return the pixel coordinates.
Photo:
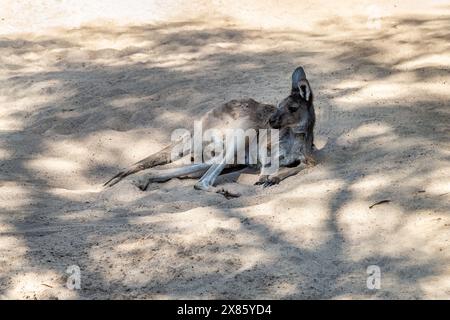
(292, 108)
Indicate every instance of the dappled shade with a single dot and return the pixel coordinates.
(79, 105)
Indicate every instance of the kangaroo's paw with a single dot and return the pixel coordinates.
(227, 193)
(271, 181)
(262, 180)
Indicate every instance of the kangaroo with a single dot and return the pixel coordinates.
(294, 117)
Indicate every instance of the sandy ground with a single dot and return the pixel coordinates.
(82, 97)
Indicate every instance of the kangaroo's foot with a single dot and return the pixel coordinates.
(220, 190)
(262, 180)
(143, 182)
(162, 175)
(271, 181)
(267, 181)
(201, 185)
(227, 193)
(206, 182)
(283, 173)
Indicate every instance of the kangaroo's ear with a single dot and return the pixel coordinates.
(297, 75)
(305, 90)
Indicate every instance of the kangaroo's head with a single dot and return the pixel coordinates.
(296, 110)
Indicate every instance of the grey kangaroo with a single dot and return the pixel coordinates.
(294, 117)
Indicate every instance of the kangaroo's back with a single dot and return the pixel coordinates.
(238, 114)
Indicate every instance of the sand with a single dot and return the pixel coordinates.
(85, 93)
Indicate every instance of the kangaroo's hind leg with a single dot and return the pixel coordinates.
(206, 183)
(207, 180)
(282, 174)
(162, 175)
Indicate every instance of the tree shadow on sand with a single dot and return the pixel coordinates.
(68, 98)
